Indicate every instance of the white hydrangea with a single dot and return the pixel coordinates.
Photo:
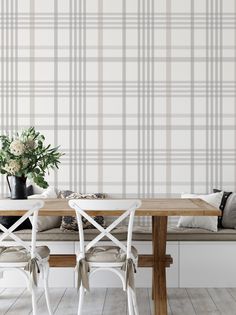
(12, 167)
(17, 147)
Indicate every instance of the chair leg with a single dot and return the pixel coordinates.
(81, 299)
(45, 282)
(130, 303)
(34, 300)
(134, 299)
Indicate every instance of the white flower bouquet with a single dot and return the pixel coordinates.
(25, 155)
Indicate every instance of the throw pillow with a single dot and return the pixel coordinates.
(204, 222)
(63, 194)
(30, 190)
(69, 223)
(8, 221)
(229, 213)
(224, 199)
(46, 222)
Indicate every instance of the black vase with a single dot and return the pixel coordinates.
(17, 187)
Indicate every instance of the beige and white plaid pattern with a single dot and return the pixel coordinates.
(140, 94)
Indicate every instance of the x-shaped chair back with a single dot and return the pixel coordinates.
(32, 208)
(82, 207)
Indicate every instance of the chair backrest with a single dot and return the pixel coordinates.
(82, 208)
(31, 208)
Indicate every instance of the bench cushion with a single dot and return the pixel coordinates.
(139, 234)
(191, 234)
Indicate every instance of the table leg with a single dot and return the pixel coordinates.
(159, 225)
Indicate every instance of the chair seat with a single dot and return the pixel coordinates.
(19, 254)
(108, 254)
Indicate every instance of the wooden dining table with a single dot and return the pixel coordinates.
(159, 210)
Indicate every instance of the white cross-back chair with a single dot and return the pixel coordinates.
(120, 258)
(30, 260)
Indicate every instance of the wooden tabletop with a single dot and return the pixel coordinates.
(149, 207)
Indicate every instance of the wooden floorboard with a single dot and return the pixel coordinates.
(94, 297)
(202, 302)
(22, 305)
(56, 296)
(68, 303)
(112, 301)
(179, 302)
(143, 300)
(224, 301)
(8, 299)
(115, 302)
(232, 291)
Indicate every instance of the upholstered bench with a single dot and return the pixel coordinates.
(139, 234)
(201, 258)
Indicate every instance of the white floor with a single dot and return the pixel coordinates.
(113, 302)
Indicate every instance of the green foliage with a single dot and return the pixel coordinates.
(27, 155)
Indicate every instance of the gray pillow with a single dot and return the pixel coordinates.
(69, 223)
(229, 214)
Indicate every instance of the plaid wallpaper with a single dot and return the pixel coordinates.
(140, 94)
